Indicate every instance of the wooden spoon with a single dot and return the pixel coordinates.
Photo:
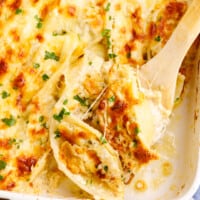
(161, 72)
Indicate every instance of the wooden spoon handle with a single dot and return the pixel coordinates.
(169, 59)
(162, 70)
(182, 38)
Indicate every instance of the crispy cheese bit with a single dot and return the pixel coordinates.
(25, 164)
(5, 144)
(14, 4)
(40, 38)
(19, 81)
(3, 67)
(71, 9)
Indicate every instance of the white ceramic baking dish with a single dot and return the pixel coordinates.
(176, 176)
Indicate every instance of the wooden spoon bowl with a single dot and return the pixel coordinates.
(161, 72)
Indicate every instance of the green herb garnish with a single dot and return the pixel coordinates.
(51, 55)
(112, 55)
(45, 77)
(44, 125)
(36, 65)
(57, 134)
(5, 94)
(60, 115)
(65, 102)
(1, 177)
(9, 121)
(56, 33)
(105, 167)
(106, 34)
(103, 140)
(128, 55)
(136, 130)
(39, 22)
(2, 164)
(81, 100)
(177, 100)
(135, 143)
(15, 142)
(18, 11)
(41, 118)
(111, 99)
(107, 8)
(157, 38)
(12, 141)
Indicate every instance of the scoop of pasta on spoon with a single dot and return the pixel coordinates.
(161, 72)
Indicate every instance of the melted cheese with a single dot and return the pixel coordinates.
(82, 157)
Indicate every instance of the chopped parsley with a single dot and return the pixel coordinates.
(36, 65)
(12, 141)
(112, 55)
(103, 140)
(57, 33)
(51, 55)
(105, 167)
(1, 177)
(128, 55)
(81, 100)
(2, 164)
(15, 142)
(57, 134)
(106, 34)
(111, 99)
(44, 125)
(5, 94)
(107, 8)
(41, 118)
(110, 17)
(90, 63)
(39, 22)
(9, 121)
(89, 182)
(136, 130)
(177, 100)
(157, 38)
(135, 143)
(18, 11)
(60, 115)
(45, 77)
(65, 102)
